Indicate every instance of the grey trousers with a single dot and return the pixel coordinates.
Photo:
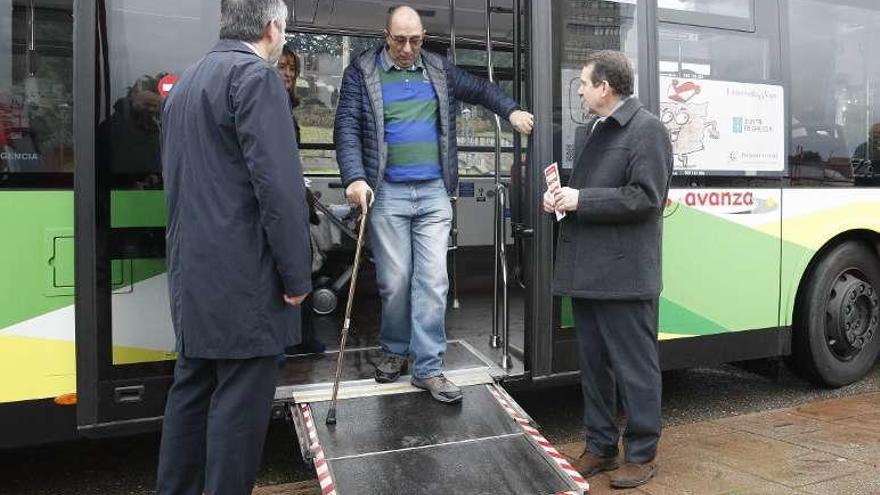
(619, 358)
(216, 418)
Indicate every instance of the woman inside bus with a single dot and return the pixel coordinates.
(288, 66)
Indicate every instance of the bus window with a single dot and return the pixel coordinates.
(149, 44)
(477, 58)
(324, 57)
(732, 8)
(722, 100)
(36, 103)
(585, 26)
(728, 14)
(475, 127)
(834, 83)
(720, 54)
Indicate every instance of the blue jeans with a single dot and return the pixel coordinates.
(409, 234)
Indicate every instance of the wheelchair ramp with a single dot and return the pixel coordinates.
(408, 443)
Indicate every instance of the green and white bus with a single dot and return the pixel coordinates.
(771, 233)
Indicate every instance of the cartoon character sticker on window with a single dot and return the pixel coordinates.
(687, 121)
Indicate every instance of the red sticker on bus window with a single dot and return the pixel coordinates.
(166, 83)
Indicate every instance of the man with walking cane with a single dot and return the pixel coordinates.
(395, 134)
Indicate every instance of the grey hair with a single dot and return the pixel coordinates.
(245, 20)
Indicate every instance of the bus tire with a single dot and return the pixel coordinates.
(835, 335)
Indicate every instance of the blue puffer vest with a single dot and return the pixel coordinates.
(359, 134)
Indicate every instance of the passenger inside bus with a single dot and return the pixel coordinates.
(288, 66)
(819, 149)
(129, 138)
(866, 155)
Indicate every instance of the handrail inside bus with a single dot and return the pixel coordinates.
(500, 321)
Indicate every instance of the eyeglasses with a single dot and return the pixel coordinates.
(399, 40)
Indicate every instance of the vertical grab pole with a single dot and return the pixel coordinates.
(453, 249)
(516, 189)
(495, 339)
(500, 320)
(501, 228)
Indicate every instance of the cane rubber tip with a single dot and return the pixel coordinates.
(331, 417)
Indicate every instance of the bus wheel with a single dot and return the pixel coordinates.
(836, 337)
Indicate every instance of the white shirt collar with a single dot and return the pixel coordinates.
(253, 48)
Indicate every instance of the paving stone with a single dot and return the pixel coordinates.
(837, 409)
(696, 475)
(684, 433)
(799, 471)
(863, 483)
(869, 421)
(774, 424)
(741, 449)
(850, 442)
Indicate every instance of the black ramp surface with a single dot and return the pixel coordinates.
(502, 465)
(390, 422)
(360, 364)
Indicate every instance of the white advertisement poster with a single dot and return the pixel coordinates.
(724, 126)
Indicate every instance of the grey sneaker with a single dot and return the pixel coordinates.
(388, 370)
(440, 387)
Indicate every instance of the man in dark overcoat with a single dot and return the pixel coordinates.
(238, 251)
(608, 262)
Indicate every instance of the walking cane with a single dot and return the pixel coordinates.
(331, 414)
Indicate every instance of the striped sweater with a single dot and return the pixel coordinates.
(411, 117)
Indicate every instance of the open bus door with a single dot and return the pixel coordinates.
(561, 34)
(127, 55)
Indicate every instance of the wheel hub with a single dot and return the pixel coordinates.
(324, 301)
(852, 315)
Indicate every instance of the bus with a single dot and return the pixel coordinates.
(771, 229)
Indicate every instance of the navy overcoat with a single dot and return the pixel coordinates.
(237, 233)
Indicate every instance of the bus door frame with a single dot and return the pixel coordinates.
(111, 399)
(542, 308)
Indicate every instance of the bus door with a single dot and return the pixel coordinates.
(721, 98)
(328, 37)
(128, 55)
(691, 61)
(576, 28)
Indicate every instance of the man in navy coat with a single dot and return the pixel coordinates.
(608, 261)
(238, 251)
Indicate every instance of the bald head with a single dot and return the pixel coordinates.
(402, 14)
(404, 35)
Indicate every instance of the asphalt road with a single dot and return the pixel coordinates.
(127, 466)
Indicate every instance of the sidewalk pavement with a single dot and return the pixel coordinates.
(825, 447)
